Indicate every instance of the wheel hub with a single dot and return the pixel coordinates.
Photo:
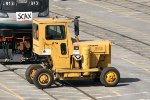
(111, 77)
(33, 73)
(44, 79)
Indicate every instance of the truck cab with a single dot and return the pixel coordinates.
(51, 37)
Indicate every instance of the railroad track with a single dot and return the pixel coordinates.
(108, 34)
(48, 93)
(6, 66)
(129, 43)
(88, 95)
(121, 40)
(124, 41)
(138, 3)
(139, 7)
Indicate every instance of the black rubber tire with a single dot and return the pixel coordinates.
(28, 71)
(38, 73)
(104, 73)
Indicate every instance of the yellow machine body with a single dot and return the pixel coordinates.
(68, 59)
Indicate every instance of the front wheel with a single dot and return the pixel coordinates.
(30, 72)
(110, 77)
(43, 78)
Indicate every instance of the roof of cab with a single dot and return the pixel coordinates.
(52, 20)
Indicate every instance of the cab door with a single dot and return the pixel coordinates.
(56, 39)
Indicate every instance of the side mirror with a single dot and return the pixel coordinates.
(76, 25)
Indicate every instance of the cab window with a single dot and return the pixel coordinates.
(35, 31)
(55, 32)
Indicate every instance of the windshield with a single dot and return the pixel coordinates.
(55, 32)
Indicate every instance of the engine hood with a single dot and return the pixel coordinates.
(103, 46)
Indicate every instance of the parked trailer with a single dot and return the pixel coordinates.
(16, 28)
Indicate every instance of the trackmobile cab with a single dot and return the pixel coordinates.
(16, 27)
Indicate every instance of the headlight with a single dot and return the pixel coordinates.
(44, 13)
(9, 3)
(34, 3)
(3, 15)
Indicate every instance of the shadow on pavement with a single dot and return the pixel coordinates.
(79, 83)
(90, 83)
(129, 80)
(20, 63)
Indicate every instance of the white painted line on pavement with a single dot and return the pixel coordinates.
(83, 1)
(61, 8)
(12, 92)
(43, 98)
(6, 93)
(129, 15)
(137, 65)
(58, 7)
(65, 92)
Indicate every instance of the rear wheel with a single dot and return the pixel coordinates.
(30, 72)
(110, 77)
(43, 78)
